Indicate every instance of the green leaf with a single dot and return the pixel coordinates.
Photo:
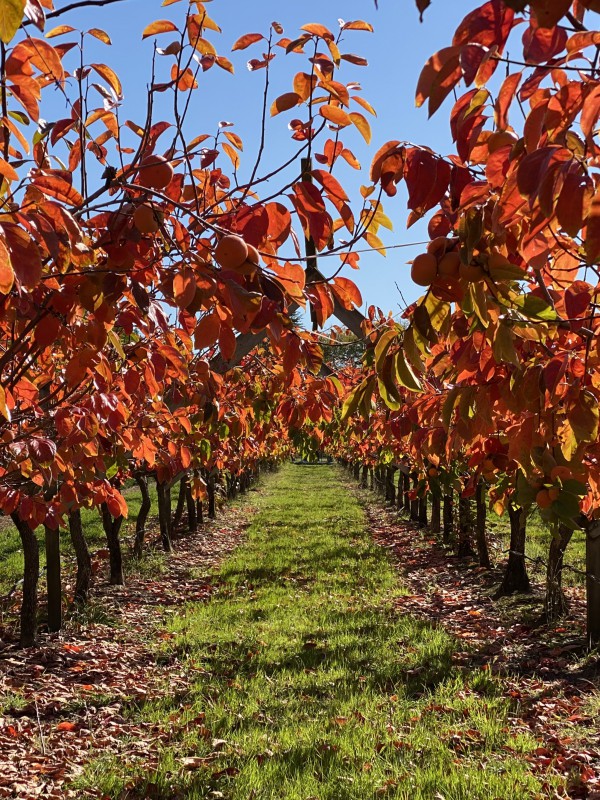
(534, 307)
(382, 347)
(11, 14)
(404, 373)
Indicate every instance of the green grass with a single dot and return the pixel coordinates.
(309, 686)
(11, 555)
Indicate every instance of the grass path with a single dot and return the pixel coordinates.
(310, 687)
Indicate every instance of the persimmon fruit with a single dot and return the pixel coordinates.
(437, 247)
(471, 272)
(155, 172)
(147, 218)
(253, 254)
(424, 269)
(561, 473)
(449, 265)
(231, 251)
(543, 498)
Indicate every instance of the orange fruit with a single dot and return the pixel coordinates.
(147, 218)
(155, 172)
(437, 247)
(471, 272)
(449, 265)
(543, 498)
(432, 472)
(231, 251)
(424, 269)
(553, 493)
(562, 473)
(253, 255)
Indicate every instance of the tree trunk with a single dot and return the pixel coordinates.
(436, 511)
(364, 476)
(356, 471)
(405, 491)
(210, 489)
(191, 510)
(199, 512)
(448, 516)
(465, 528)
(423, 510)
(31, 573)
(142, 517)
(83, 580)
(53, 578)
(390, 488)
(164, 515)
(414, 504)
(112, 526)
(480, 537)
(556, 604)
(515, 575)
(592, 568)
(180, 504)
(371, 479)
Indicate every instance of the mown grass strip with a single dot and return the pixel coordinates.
(308, 686)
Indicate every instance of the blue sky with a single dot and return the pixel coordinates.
(396, 52)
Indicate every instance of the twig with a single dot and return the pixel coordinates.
(37, 714)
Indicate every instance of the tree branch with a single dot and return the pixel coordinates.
(72, 6)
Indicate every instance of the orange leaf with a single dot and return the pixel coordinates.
(360, 122)
(60, 30)
(335, 115)
(318, 30)
(66, 726)
(284, 102)
(58, 187)
(357, 25)
(101, 35)
(159, 26)
(246, 40)
(7, 275)
(110, 77)
(9, 172)
(184, 287)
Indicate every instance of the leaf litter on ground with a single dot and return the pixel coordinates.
(545, 670)
(66, 700)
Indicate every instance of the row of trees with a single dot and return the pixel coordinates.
(138, 269)
(492, 383)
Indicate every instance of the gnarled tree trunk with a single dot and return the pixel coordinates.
(112, 526)
(53, 578)
(142, 517)
(480, 537)
(448, 516)
(515, 577)
(556, 604)
(465, 528)
(164, 515)
(31, 573)
(436, 510)
(180, 504)
(83, 581)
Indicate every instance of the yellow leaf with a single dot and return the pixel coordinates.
(11, 14)
(361, 123)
